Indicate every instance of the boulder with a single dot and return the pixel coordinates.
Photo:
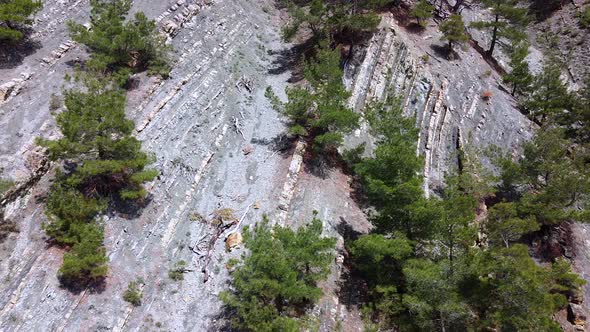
(6, 89)
(233, 241)
(576, 314)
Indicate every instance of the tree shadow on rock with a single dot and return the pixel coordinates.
(321, 163)
(445, 52)
(288, 59)
(352, 288)
(128, 209)
(415, 28)
(13, 53)
(76, 287)
(222, 320)
(281, 144)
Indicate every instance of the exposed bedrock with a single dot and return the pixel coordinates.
(448, 98)
(217, 145)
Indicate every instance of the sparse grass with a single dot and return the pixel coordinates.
(133, 294)
(177, 272)
(585, 18)
(5, 185)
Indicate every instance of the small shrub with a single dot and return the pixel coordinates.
(55, 102)
(585, 18)
(5, 185)
(133, 294)
(177, 272)
(487, 73)
(425, 58)
(196, 216)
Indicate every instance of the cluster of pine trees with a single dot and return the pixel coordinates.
(276, 281)
(425, 265)
(439, 264)
(102, 164)
(15, 15)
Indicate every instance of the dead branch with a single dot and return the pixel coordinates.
(238, 127)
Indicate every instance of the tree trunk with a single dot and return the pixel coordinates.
(457, 5)
(494, 36)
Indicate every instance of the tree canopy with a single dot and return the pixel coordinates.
(102, 163)
(424, 264)
(119, 46)
(278, 278)
(14, 14)
(320, 111)
(509, 17)
(453, 30)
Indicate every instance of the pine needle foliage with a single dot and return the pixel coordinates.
(14, 15)
(423, 269)
(509, 18)
(320, 111)
(104, 162)
(277, 280)
(422, 11)
(118, 45)
(453, 30)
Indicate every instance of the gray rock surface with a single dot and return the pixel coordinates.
(214, 136)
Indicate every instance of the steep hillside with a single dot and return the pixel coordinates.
(219, 145)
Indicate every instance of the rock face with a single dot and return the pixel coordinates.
(577, 316)
(456, 103)
(215, 137)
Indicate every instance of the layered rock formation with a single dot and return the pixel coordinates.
(218, 145)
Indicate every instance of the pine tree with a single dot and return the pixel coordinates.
(552, 181)
(549, 99)
(117, 46)
(508, 21)
(512, 292)
(453, 30)
(13, 15)
(86, 262)
(104, 163)
(332, 19)
(422, 11)
(278, 277)
(97, 138)
(503, 225)
(520, 76)
(320, 111)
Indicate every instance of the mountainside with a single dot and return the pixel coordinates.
(220, 147)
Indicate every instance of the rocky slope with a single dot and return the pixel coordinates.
(218, 144)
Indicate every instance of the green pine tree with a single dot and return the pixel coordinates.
(118, 46)
(105, 162)
(520, 76)
(503, 226)
(422, 11)
(321, 110)
(508, 21)
(98, 139)
(86, 261)
(453, 30)
(278, 277)
(14, 14)
(332, 19)
(549, 100)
